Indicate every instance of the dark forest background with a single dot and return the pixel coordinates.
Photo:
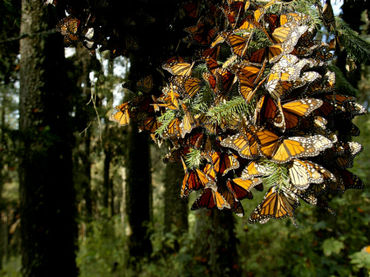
(95, 199)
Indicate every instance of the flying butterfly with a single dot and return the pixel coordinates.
(122, 115)
(277, 203)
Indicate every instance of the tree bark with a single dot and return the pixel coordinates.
(175, 208)
(138, 193)
(216, 244)
(47, 196)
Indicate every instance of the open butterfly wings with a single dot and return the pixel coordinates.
(290, 119)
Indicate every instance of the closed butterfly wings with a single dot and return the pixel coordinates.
(277, 203)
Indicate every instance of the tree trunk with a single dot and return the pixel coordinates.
(216, 243)
(138, 188)
(175, 208)
(47, 196)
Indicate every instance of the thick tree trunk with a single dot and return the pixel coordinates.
(138, 189)
(47, 196)
(216, 245)
(175, 208)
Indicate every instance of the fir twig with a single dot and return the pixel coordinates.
(165, 119)
(228, 110)
(357, 48)
(193, 158)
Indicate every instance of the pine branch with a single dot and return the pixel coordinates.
(357, 48)
(341, 82)
(230, 109)
(279, 176)
(22, 36)
(194, 158)
(165, 119)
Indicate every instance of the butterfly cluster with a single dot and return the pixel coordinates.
(256, 108)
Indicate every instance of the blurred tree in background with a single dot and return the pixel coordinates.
(84, 178)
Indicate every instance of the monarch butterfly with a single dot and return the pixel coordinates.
(210, 198)
(271, 53)
(212, 53)
(145, 84)
(293, 17)
(277, 203)
(237, 43)
(334, 102)
(247, 25)
(122, 115)
(188, 122)
(328, 17)
(238, 191)
(202, 33)
(282, 150)
(173, 129)
(286, 116)
(194, 179)
(150, 124)
(345, 180)
(191, 9)
(344, 153)
(222, 163)
(224, 81)
(245, 143)
(233, 10)
(192, 86)
(228, 194)
(302, 173)
(212, 65)
(288, 35)
(68, 27)
(246, 76)
(278, 84)
(272, 20)
(261, 11)
(169, 98)
(246, 184)
(210, 79)
(255, 169)
(178, 67)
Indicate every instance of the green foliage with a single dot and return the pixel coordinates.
(228, 110)
(357, 48)
(165, 119)
(360, 260)
(332, 246)
(194, 158)
(341, 83)
(101, 251)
